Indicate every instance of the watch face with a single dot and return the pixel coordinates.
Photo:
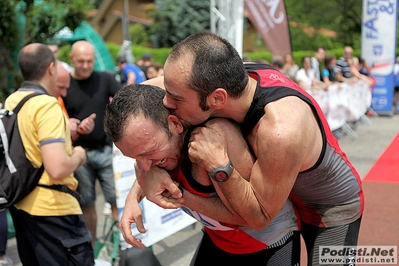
(221, 176)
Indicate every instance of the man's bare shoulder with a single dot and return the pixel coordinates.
(158, 81)
(290, 128)
(286, 111)
(287, 120)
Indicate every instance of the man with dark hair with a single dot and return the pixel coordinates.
(278, 63)
(131, 74)
(318, 57)
(142, 128)
(146, 61)
(297, 156)
(49, 225)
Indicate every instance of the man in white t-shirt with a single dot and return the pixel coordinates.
(319, 56)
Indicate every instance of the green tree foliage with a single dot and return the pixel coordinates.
(341, 16)
(175, 20)
(8, 24)
(8, 40)
(45, 19)
(350, 22)
(138, 34)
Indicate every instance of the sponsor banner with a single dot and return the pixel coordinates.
(351, 255)
(379, 48)
(159, 223)
(343, 103)
(270, 20)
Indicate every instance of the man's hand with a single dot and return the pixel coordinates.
(81, 153)
(157, 181)
(132, 213)
(87, 125)
(73, 127)
(208, 146)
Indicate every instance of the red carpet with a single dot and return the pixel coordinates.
(380, 219)
(386, 168)
(380, 225)
(380, 222)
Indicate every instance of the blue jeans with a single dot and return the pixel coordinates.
(98, 166)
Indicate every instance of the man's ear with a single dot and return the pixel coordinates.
(218, 98)
(175, 125)
(52, 68)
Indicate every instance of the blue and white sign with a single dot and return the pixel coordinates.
(379, 48)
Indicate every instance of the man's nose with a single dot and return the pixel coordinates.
(168, 103)
(64, 93)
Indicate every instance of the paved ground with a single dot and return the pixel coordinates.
(373, 138)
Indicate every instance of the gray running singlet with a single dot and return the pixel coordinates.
(329, 193)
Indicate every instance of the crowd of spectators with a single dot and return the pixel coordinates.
(322, 69)
(323, 74)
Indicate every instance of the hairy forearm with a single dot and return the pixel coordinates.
(136, 193)
(242, 198)
(212, 207)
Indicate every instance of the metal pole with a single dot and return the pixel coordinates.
(125, 21)
(227, 21)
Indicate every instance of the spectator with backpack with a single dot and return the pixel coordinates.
(48, 222)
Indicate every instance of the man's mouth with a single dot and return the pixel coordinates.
(162, 162)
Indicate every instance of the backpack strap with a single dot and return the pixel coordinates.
(3, 133)
(63, 188)
(24, 100)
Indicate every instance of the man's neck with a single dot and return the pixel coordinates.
(37, 84)
(74, 76)
(236, 109)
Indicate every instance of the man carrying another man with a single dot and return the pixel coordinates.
(142, 128)
(297, 156)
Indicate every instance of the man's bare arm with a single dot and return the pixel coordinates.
(132, 213)
(286, 141)
(158, 81)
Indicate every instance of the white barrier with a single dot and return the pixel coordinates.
(160, 223)
(344, 103)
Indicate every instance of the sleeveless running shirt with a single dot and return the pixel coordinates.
(232, 238)
(329, 193)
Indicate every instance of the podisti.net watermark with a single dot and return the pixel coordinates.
(358, 254)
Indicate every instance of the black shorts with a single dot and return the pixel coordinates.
(287, 254)
(52, 240)
(314, 237)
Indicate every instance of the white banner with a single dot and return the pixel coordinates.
(379, 23)
(160, 223)
(343, 102)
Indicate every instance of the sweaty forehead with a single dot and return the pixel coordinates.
(177, 75)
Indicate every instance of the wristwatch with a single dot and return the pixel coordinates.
(222, 174)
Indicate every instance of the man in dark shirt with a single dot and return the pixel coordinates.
(90, 92)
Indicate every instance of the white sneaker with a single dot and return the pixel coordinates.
(107, 209)
(6, 261)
